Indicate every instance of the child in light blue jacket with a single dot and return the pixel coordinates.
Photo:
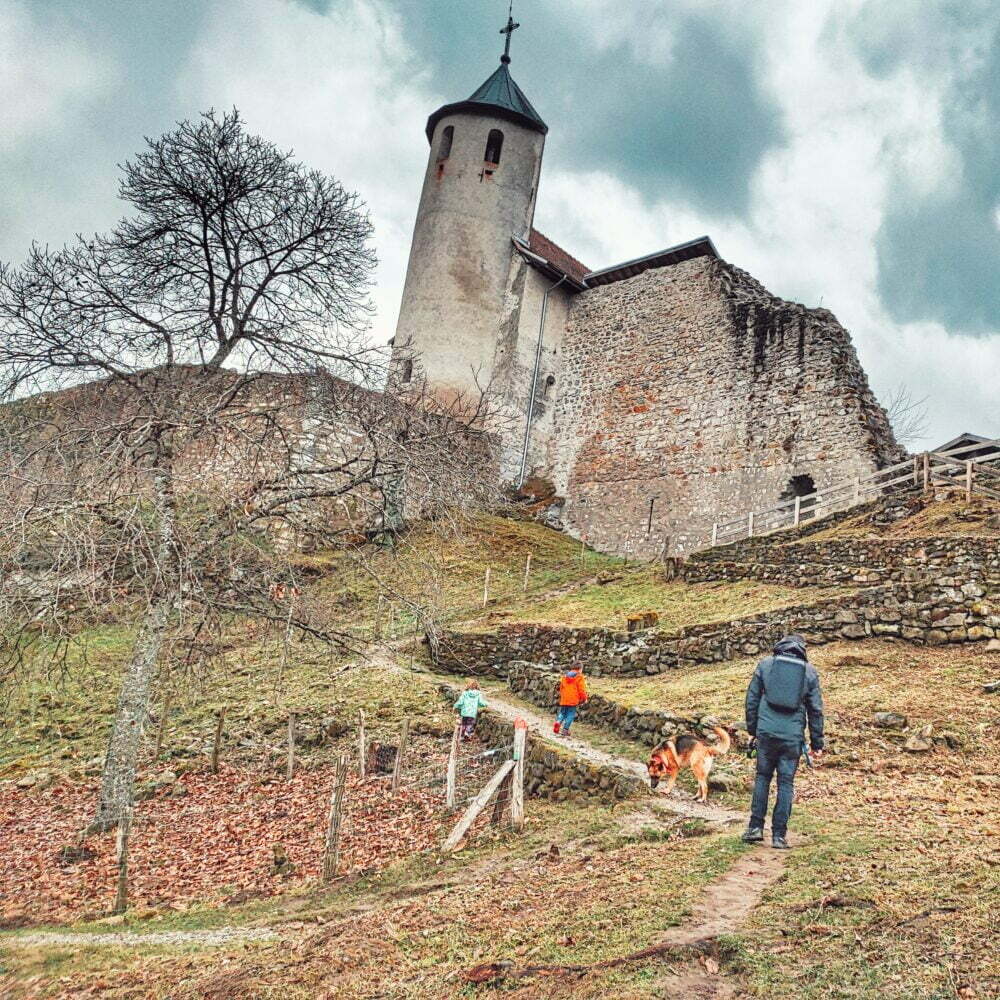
(469, 702)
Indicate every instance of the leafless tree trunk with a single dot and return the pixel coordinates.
(135, 695)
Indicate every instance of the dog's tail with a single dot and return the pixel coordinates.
(724, 742)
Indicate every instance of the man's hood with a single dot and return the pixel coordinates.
(791, 645)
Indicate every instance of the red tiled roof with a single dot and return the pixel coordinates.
(556, 256)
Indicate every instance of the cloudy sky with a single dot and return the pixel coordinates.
(845, 152)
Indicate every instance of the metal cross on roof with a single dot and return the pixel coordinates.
(509, 30)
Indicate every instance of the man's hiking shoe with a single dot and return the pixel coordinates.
(753, 835)
(780, 844)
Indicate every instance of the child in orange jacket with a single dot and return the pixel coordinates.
(572, 694)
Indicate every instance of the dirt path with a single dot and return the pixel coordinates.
(722, 908)
(209, 938)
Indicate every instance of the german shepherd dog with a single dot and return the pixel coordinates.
(670, 758)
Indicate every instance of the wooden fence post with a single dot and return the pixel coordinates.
(290, 766)
(217, 742)
(750, 525)
(449, 799)
(527, 571)
(503, 797)
(476, 806)
(362, 743)
(331, 852)
(916, 470)
(517, 792)
(162, 726)
(927, 471)
(798, 510)
(715, 534)
(968, 482)
(124, 829)
(486, 587)
(397, 769)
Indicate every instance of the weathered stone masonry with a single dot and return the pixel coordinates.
(693, 389)
(945, 610)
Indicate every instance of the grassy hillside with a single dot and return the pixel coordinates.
(891, 892)
(929, 518)
(609, 600)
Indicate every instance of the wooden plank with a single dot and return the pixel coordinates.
(476, 806)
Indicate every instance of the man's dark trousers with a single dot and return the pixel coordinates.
(775, 755)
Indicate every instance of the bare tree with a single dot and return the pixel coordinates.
(908, 415)
(235, 253)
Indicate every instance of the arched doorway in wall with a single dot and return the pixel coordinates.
(801, 486)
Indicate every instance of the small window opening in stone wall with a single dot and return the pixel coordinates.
(407, 371)
(800, 486)
(447, 138)
(494, 146)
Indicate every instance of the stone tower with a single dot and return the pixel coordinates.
(479, 191)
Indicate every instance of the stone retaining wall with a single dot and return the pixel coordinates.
(540, 685)
(948, 610)
(555, 772)
(851, 561)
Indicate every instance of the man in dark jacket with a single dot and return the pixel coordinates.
(780, 731)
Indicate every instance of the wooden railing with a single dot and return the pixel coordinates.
(973, 468)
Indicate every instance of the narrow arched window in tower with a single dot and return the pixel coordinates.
(494, 145)
(447, 138)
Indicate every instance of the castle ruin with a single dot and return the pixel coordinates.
(654, 395)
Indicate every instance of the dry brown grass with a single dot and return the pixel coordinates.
(950, 516)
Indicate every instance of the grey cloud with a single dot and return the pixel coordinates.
(939, 251)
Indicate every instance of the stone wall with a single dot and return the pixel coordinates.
(947, 610)
(540, 684)
(851, 560)
(689, 392)
(555, 772)
(514, 363)
(266, 428)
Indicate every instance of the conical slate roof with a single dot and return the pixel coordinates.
(500, 97)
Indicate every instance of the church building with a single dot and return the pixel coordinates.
(657, 395)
